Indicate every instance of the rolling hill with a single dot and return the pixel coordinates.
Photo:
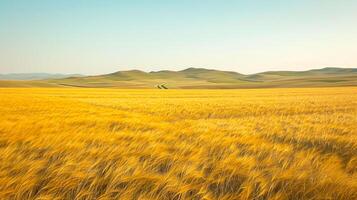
(35, 76)
(201, 78)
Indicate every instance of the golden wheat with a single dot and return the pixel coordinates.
(178, 144)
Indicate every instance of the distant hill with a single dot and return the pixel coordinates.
(35, 76)
(201, 78)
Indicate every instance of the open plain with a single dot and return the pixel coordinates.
(67, 143)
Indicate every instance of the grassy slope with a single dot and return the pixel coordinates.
(202, 78)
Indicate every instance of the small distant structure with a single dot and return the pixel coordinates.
(162, 86)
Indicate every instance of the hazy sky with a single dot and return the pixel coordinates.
(95, 37)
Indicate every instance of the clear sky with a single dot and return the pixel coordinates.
(102, 36)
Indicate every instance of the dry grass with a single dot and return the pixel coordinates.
(178, 144)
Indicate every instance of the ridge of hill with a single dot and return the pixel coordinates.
(201, 78)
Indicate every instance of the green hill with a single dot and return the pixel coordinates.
(202, 78)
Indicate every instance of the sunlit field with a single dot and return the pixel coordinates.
(178, 144)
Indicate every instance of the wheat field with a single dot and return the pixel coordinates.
(178, 144)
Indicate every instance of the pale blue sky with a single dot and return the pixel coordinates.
(102, 36)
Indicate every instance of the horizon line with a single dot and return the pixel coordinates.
(135, 69)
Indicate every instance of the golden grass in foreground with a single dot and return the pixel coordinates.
(178, 144)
